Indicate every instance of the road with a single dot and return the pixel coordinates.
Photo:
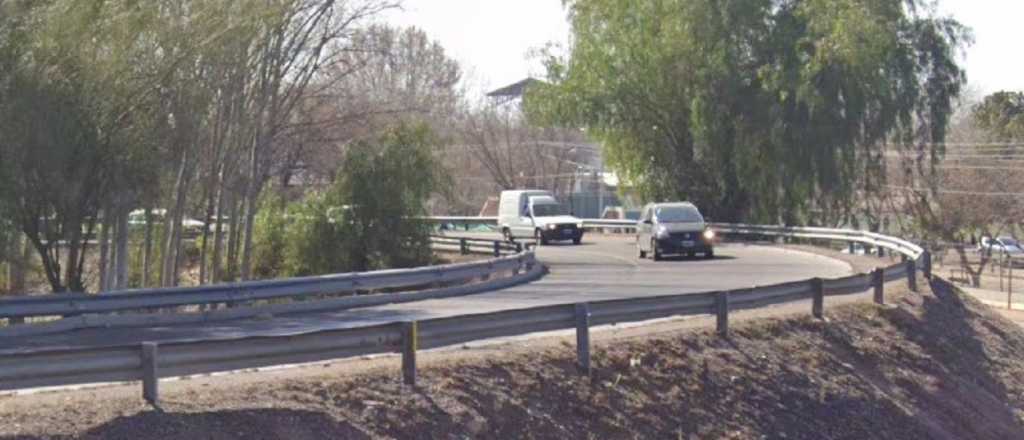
(603, 267)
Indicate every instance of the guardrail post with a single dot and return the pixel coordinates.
(519, 248)
(818, 298)
(150, 374)
(881, 251)
(463, 246)
(497, 249)
(911, 275)
(722, 313)
(410, 342)
(583, 338)
(878, 280)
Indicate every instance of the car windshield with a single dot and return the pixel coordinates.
(678, 214)
(548, 210)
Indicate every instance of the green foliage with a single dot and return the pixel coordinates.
(1001, 114)
(385, 185)
(761, 110)
(367, 220)
(315, 241)
(269, 236)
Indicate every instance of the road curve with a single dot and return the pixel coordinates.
(603, 267)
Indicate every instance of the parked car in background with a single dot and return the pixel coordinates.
(1001, 247)
(673, 229)
(190, 227)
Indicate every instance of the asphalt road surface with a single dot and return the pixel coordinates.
(603, 267)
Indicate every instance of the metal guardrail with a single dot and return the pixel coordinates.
(898, 245)
(150, 361)
(466, 245)
(506, 258)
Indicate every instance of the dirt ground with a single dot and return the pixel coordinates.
(934, 365)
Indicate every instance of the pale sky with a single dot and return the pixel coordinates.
(492, 38)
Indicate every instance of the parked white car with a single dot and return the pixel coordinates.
(1001, 246)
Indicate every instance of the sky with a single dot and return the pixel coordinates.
(492, 39)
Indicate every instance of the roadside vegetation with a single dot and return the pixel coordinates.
(193, 141)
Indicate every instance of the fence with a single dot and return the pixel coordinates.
(150, 361)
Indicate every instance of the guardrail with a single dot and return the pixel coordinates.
(150, 361)
(508, 258)
(894, 244)
(466, 245)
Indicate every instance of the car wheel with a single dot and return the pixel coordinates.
(655, 255)
(539, 237)
(709, 254)
(577, 240)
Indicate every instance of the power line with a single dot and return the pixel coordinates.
(959, 192)
(978, 167)
(965, 144)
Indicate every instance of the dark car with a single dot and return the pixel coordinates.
(673, 229)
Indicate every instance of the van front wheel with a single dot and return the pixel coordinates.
(539, 237)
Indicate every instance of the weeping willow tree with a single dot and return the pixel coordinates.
(761, 110)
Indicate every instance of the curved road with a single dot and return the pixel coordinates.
(603, 267)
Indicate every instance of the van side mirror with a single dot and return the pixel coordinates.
(648, 222)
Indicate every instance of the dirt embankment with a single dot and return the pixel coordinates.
(936, 365)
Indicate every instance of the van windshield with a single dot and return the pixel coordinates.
(678, 214)
(548, 210)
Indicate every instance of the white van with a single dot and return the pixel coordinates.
(537, 214)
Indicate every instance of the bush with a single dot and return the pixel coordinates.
(315, 243)
(384, 186)
(269, 236)
(367, 220)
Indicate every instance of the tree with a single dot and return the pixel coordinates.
(762, 110)
(386, 75)
(383, 187)
(517, 154)
(368, 218)
(1001, 114)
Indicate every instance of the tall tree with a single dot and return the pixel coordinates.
(1001, 114)
(763, 110)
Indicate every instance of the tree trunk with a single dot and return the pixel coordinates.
(233, 237)
(252, 191)
(147, 247)
(104, 249)
(218, 235)
(21, 252)
(121, 248)
(76, 250)
(172, 225)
